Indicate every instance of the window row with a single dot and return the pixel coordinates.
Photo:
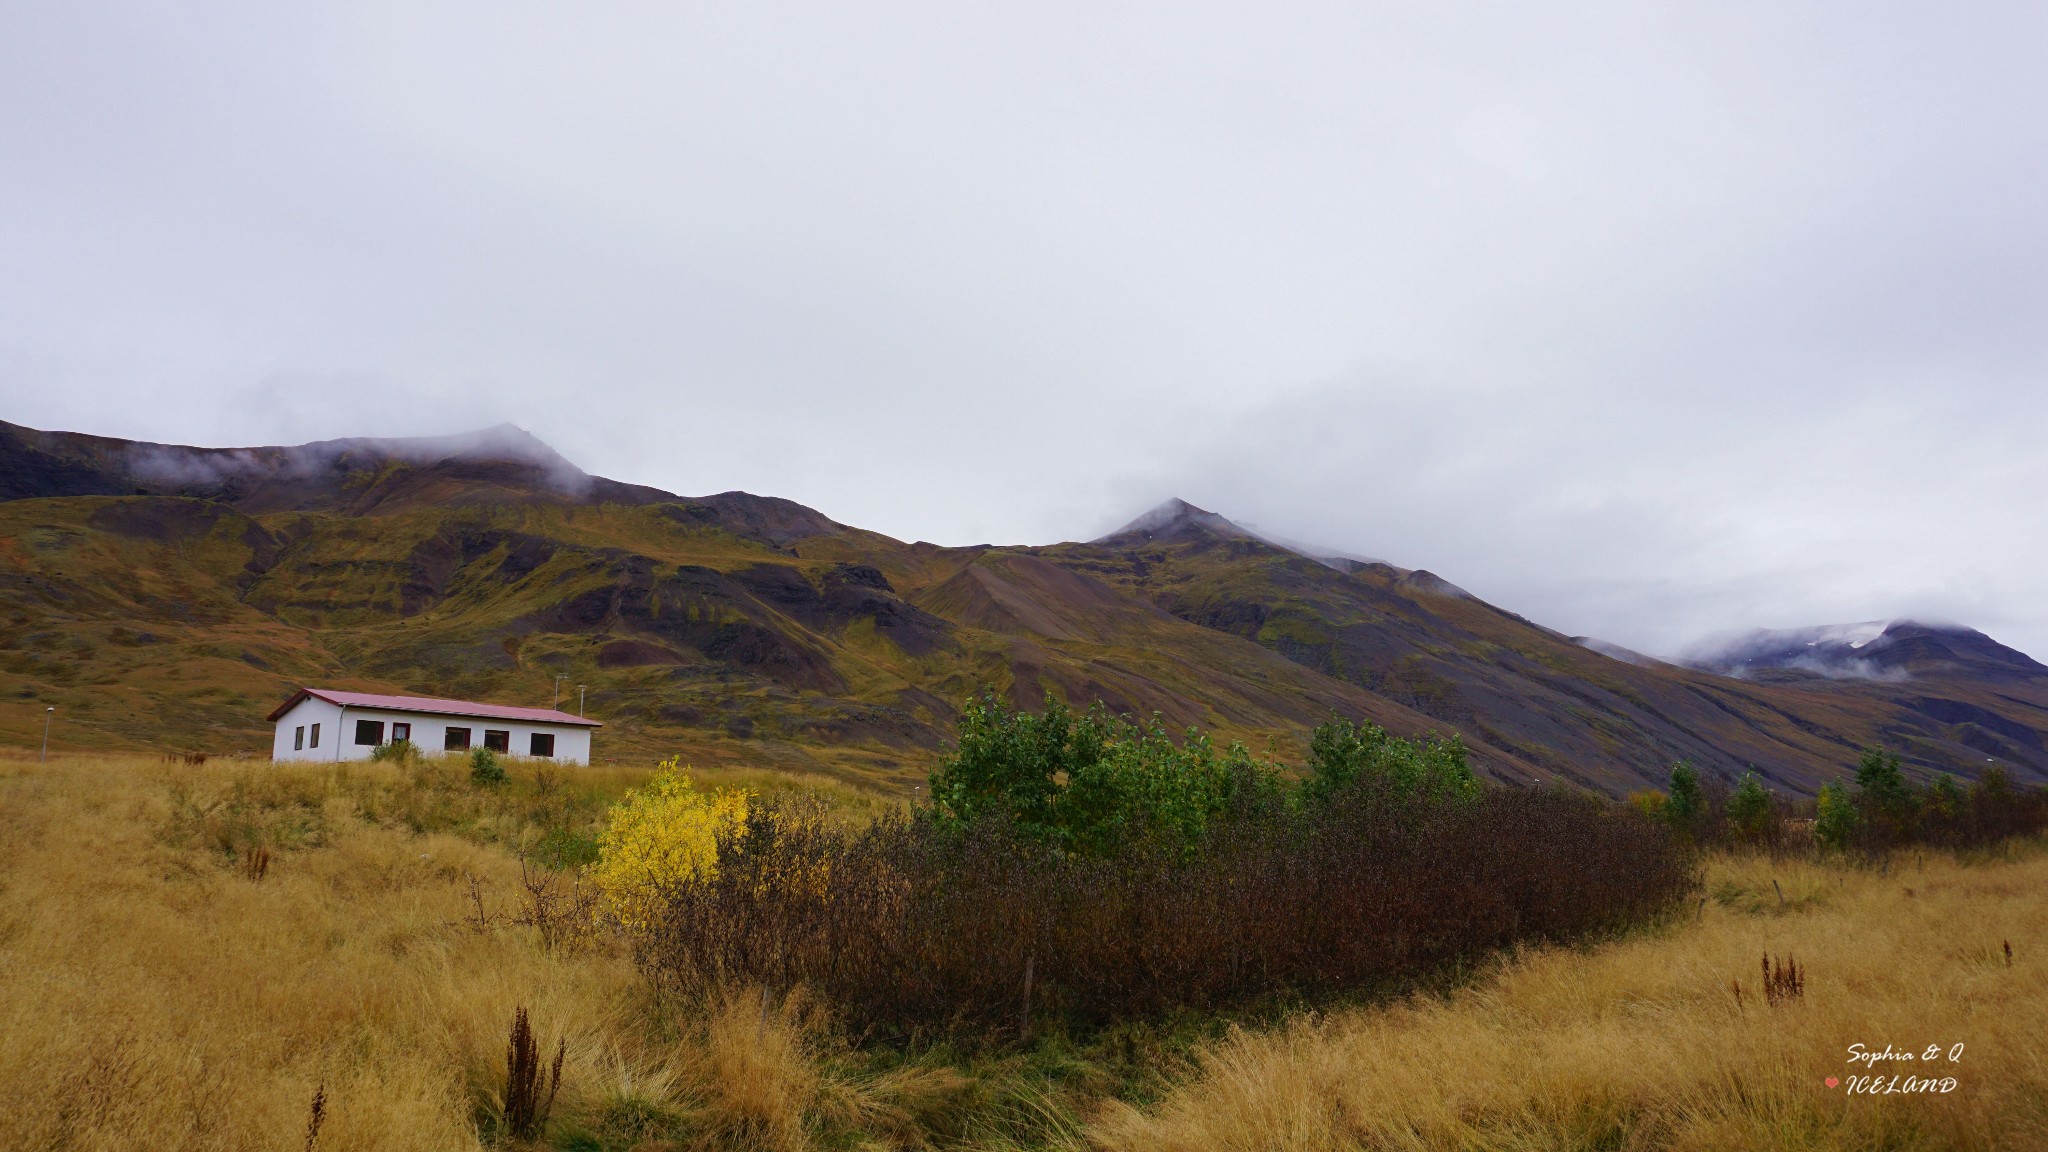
(371, 733)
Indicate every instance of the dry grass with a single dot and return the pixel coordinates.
(154, 995)
(1640, 1044)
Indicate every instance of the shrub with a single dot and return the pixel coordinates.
(1886, 810)
(1649, 802)
(1685, 808)
(484, 767)
(1753, 812)
(925, 921)
(1091, 782)
(659, 837)
(1836, 818)
(1886, 799)
(399, 751)
(1343, 756)
(1989, 810)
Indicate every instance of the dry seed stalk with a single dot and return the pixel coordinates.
(526, 1111)
(1783, 980)
(317, 1117)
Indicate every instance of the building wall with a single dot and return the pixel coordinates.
(305, 714)
(429, 732)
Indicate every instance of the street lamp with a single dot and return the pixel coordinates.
(45, 753)
(559, 677)
(579, 699)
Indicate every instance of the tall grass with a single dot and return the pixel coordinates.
(1642, 1045)
(155, 994)
(910, 926)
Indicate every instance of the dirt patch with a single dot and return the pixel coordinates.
(637, 654)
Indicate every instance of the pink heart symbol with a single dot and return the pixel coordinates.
(1831, 1081)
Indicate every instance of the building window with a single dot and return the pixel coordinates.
(370, 732)
(316, 737)
(497, 741)
(299, 739)
(457, 740)
(542, 744)
(401, 732)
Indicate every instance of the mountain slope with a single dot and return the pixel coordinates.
(164, 596)
(1554, 702)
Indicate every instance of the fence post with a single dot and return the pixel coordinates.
(1024, 1019)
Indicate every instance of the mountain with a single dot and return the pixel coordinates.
(1571, 707)
(1896, 651)
(165, 596)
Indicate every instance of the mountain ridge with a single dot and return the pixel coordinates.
(737, 627)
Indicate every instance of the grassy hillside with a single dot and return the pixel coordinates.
(156, 991)
(163, 597)
(1543, 700)
(155, 621)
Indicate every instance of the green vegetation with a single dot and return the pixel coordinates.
(1878, 810)
(484, 767)
(400, 751)
(1685, 809)
(1091, 782)
(1092, 871)
(1344, 756)
(747, 631)
(1753, 811)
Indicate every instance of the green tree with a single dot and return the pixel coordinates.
(1996, 807)
(1753, 811)
(1884, 794)
(1009, 763)
(1685, 806)
(1343, 755)
(1837, 819)
(1092, 782)
(1945, 797)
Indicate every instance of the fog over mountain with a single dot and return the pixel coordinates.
(1647, 322)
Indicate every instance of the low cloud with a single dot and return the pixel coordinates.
(177, 466)
(1642, 321)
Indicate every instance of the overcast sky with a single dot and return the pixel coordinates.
(1644, 321)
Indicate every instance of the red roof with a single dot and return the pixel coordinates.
(432, 704)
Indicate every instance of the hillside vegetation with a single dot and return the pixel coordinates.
(166, 597)
(189, 954)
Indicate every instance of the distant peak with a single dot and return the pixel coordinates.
(1177, 517)
(1885, 650)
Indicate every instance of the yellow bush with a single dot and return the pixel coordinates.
(663, 834)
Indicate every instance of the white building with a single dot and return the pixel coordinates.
(323, 724)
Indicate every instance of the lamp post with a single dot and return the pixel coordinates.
(559, 677)
(47, 714)
(579, 699)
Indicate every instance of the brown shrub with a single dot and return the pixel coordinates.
(910, 927)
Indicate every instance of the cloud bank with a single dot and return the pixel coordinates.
(1643, 320)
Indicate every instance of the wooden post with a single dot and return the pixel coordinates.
(1781, 892)
(1024, 1019)
(1701, 915)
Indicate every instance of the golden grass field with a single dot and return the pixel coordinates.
(154, 995)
